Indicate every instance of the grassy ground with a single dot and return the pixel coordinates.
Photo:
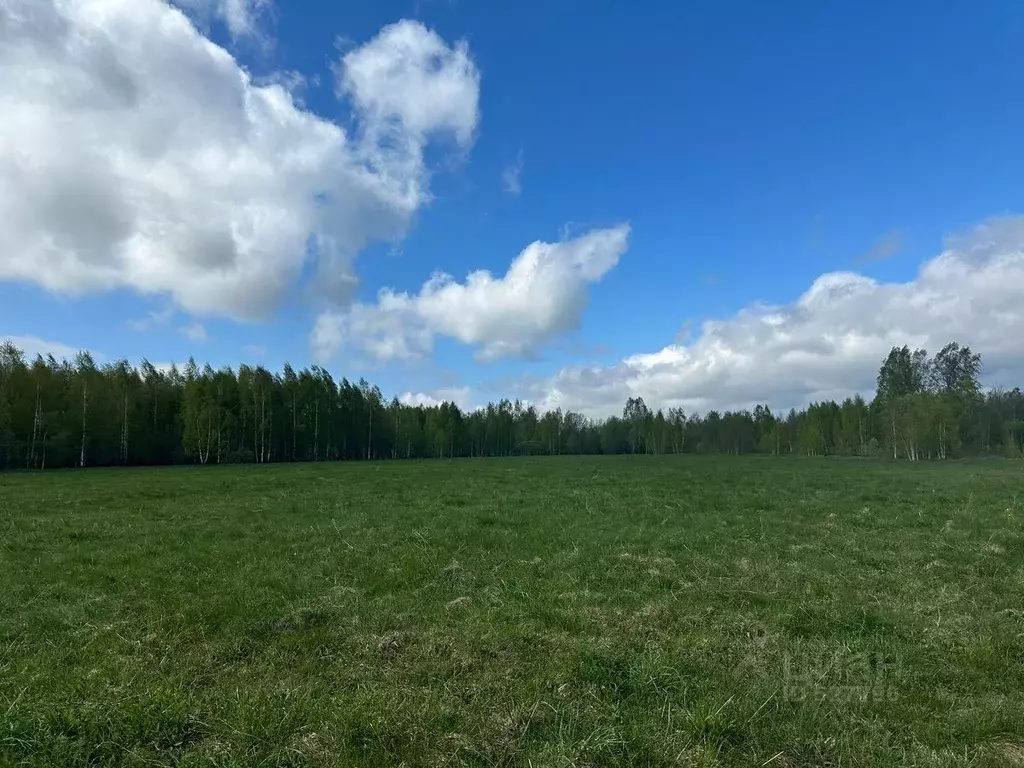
(558, 612)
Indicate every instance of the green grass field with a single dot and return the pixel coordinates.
(524, 612)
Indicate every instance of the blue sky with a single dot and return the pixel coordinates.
(751, 148)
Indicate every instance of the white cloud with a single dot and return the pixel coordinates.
(542, 295)
(152, 320)
(295, 83)
(408, 85)
(33, 345)
(185, 178)
(195, 331)
(458, 395)
(829, 342)
(241, 17)
(256, 350)
(512, 176)
(165, 368)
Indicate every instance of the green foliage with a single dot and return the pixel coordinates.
(587, 611)
(932, 407)
(903, 373)
(1014, 440)
(64, 414)
(955, 371)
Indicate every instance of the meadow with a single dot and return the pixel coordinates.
(601, 611)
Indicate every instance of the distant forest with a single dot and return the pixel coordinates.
(78, 414)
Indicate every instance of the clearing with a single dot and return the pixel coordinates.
(633, 611)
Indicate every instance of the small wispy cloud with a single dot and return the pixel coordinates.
(165, 368)
(887, 246)
(816, 239)
(245, 19)
(255, 350)
(512, 176)
(31, 346)
(195, 331)
(152, 320)
(296, 83)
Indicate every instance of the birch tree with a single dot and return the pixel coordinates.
(86, 373)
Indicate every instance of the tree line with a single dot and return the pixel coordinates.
(76, 413)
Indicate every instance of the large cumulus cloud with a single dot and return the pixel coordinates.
(542, 295)
(135, 153)
(830, 341)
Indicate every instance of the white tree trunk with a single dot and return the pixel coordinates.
(85, 409)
